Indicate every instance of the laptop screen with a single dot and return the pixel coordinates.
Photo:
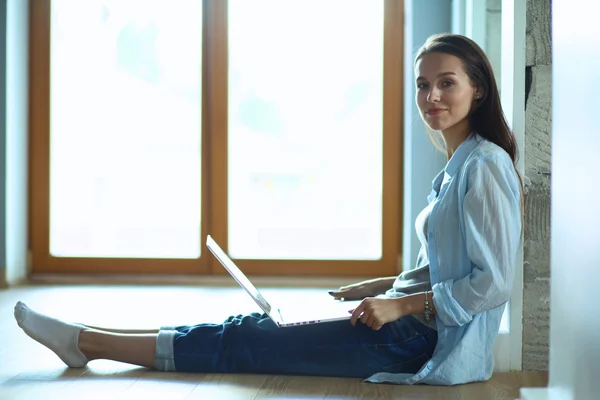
(237, 274)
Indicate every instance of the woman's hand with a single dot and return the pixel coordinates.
(376, 312)
(360, 290)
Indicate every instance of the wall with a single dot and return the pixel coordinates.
(422, 161)
(575, 255)
(493, 36)
(2, 143)
(538, 127)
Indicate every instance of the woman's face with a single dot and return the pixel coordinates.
(444, 92)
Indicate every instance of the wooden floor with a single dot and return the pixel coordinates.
(30, 371)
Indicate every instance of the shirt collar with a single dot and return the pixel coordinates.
(452, 166)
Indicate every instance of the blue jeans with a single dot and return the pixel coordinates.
(254, 344)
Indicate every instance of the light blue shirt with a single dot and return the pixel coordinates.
(473, 233)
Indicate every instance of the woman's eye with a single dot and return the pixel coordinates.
(421, 85)
(447, 84)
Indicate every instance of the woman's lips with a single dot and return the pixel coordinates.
(435, 111)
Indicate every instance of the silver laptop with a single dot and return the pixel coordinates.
(330, 310)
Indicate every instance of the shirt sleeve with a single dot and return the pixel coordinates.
(492, 221)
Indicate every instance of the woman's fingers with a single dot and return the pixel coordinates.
(356, 313)
(337, 295)
(343, 295)
(368, 320)
(365, 312)
(339, 291)
(368, 314)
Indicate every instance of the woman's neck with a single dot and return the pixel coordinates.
(454, 136)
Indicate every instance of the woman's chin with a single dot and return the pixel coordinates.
(434, 126)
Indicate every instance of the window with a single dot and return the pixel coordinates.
(273, 126)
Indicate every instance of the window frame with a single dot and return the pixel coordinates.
(214, 162)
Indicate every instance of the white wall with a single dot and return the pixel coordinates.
(2, 143)
(493, 37)
(575, 214)
(513, 104)
(422, 161)
(17, 86)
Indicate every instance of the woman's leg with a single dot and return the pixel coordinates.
(76, 345)
(124, 331)
(247, 344)
(138, 349)
(254, 344)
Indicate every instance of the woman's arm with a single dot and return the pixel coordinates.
(360, 290)
(492, 229)
(415, 303)
(384, 283)
(376, 312)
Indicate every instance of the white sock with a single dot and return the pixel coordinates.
(60, 337)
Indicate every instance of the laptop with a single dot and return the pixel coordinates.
(329, 310)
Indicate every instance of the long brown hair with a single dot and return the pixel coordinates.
(486, 116)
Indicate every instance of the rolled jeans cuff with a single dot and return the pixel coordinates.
(164, 357)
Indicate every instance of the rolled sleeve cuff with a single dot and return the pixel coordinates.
(447, 308)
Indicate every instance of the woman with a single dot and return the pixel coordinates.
(434, 324)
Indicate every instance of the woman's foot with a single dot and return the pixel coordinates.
(60, 337)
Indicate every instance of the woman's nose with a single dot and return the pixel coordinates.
(433, 95)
